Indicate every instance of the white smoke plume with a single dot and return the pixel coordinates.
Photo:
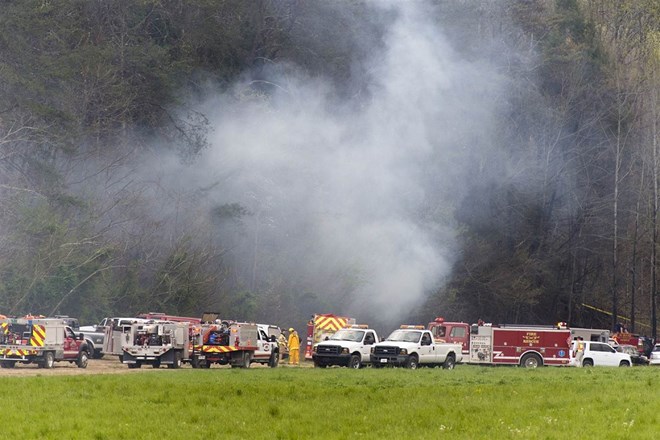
(352, 202)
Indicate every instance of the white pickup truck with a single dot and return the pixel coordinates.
(411, 347)
(350, 347)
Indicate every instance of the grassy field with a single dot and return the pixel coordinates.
(305, 403)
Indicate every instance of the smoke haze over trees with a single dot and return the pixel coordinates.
(392, 161)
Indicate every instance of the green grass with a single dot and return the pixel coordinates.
(288, 403)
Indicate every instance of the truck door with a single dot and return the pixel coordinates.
(71, 344)
(264, 346)
(427, 350)
(365, 348)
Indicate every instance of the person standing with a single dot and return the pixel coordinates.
(579, 351)
(294, 347)
(282, 343)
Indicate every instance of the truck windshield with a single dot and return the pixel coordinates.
(404, 336)
(348, 335)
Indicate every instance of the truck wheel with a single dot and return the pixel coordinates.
(274, 360)
(412, 362)
(587, 363)
(156, 364)
(450, 362)
(355, 362)
(8, 364)
(319, 364)
(135, 365)
(49, 360)
(205, 364)
(531, 360)
(194, 362)
(178, 360)
(82, 360)
(624, 364)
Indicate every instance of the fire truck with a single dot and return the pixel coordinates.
(321, 327)
(523, 345)
(43, 341)
(224, 342)
(151, 342)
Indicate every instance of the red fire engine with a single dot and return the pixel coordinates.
(527, 346)
(322, 326)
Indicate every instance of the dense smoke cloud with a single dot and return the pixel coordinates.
(352, 201)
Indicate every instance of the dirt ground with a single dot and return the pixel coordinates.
(107, 365)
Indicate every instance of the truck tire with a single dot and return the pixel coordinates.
(355, 362)
(588, 363)
(83, 359)
(49, 360)
(624, 364)
(178, 360)
(247, 359)
(94, 353)
(412, 362)
(274, 360)
(7, 364)
(135, 365)
(318, 364)
(155, 364)
(531, 360)
(450, 362)
(194, 362)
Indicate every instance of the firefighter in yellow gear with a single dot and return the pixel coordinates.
(294, 347)
(282, 343)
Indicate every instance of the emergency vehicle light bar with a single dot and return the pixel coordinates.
(415, 327)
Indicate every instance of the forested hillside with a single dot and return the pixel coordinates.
(392, 161)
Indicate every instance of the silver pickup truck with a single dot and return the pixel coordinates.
(411, 347)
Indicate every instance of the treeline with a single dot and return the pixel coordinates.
(562, 216)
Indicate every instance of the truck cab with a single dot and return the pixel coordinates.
(350, 347)
(267, 352)
(455, 332)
